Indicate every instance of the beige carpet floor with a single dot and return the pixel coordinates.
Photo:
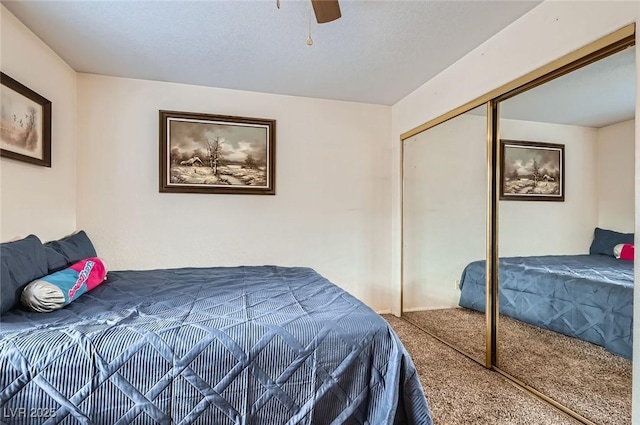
(462, 392)
(578, 374)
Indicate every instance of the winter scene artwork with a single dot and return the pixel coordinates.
(216, 154)
(532, 171)
(25, 123)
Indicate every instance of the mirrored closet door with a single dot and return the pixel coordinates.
(566, 162)
(444, 228)
(533, 197)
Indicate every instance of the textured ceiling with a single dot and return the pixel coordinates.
(378, 52)
(598, 95)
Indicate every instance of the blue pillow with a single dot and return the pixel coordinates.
(605, 240)
(69, 250)
(20, 262)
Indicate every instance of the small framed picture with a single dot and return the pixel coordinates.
(25, 123)
(531, 171)
(203, 153)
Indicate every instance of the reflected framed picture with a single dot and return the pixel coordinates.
(25, 123)
(531, 171)
(203, 153)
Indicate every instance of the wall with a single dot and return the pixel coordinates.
(549, 31)
(544, 228)
(331, 210)
(616, 167)
(35, 199)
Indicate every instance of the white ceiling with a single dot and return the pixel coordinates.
(598, 95)
(378, 52)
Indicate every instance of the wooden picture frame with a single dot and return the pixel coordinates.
(531, 171)
(25, 123)
(220, 154)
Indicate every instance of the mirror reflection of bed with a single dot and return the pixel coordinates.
(444, 222)
(566, 301)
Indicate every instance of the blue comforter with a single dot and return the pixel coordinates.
(584, 296)
(241, 345)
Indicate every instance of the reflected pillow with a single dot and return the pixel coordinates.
(20, 262)
(68, 250)
(624, 252)
(605, 240)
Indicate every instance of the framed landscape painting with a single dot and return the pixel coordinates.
(25, 123)
(531, 171)
(202, 153)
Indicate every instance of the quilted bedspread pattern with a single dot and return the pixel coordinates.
(589, 297)
(236, 345)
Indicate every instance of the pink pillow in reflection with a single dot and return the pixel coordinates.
(624, 251)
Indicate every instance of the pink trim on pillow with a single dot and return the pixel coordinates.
(627, 252)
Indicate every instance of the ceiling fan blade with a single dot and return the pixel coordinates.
(326, 10)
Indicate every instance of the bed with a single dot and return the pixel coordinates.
(589, 297)
(235, 345)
